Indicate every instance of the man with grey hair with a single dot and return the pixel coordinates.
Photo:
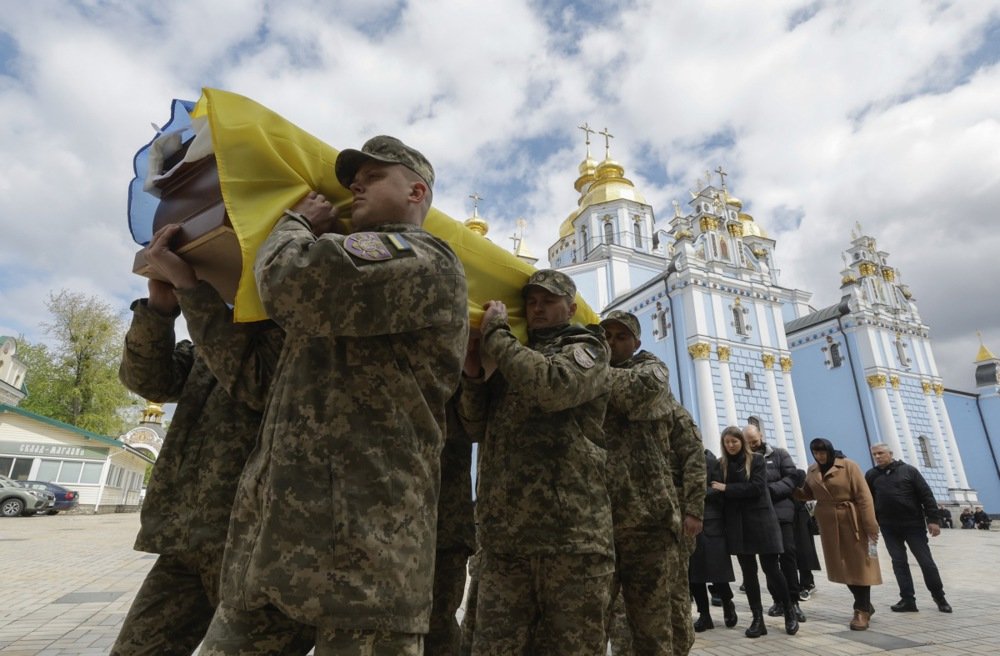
(542, 510)
(906, 513)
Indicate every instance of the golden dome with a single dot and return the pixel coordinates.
(588, 166)
(609, 185)
(477, 224)
(734, 202)
(154, 408)
(848, 279)
(984, 354)
(683, 233)
(750, 227)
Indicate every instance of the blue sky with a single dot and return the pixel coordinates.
(824, 114)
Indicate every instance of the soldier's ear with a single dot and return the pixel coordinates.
(418, 191)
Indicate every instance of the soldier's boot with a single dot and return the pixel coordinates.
(729, 613)
(791, 622)
(756, 628)
(799, 615)
(703, 623)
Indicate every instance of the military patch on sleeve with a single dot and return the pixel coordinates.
(367, 246)
(661, 373)
(583, 357)
(398, 242)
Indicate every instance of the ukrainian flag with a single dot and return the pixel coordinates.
(266, 164)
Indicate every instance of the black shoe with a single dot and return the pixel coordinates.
(729, 613)
(791, 622)
(777, 610)
(943, 605)
(904, 606)
(756, 628)
(716, 601)
(703, 623)
(799, 615)
(804, 594)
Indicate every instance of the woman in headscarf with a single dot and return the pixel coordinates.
(847, 526)
(752, 527)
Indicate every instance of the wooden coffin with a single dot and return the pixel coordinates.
(192, 197)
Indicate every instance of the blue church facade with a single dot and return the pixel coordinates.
(743, 348)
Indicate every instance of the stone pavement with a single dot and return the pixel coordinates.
(68, 581)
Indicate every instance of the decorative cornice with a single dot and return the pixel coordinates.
(700, 350)
(708, 223)
(889, 274)
(867, 269)
(723, 352)
(894, 381)
(939, 389)
(768, 360)
(876, 381)
(927, 386)
(735, 229)
(786, 363)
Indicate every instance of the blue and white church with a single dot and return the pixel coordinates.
(705, 287)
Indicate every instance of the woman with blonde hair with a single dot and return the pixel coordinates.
(752, 527)
(847, 527)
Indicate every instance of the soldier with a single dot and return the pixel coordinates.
(542, 508)
(219, 386)
(456, 538)
(334, 523)
(646, 430)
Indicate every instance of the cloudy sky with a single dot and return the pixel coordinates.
(824, 114)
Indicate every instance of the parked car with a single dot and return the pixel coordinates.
(64, 499)
(15, 499)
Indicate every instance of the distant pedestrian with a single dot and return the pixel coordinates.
(981, 519)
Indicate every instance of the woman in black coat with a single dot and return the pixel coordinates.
(711, 562)
(752, 527)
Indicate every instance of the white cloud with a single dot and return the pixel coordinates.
(833, 111)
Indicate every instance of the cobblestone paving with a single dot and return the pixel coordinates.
(68, 581)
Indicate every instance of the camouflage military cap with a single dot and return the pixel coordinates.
(385, 149)
(626, 319)
(553, 281)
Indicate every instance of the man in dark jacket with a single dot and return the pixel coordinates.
(782, 479)
(904, 504)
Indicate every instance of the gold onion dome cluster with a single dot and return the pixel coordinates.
(477, 224)
(600, 183)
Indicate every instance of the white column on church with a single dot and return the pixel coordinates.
(709, 422)
(793, 410)
(772, 395)
(938, 435)
(728, 398)
(949, 435)
(907, 437)
(883, 412)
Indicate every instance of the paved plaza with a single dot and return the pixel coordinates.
(68, 581)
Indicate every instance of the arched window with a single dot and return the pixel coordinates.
(585, 239)
(609, 232)
(925, 451)
(835, 358)
(637, 230)
(748, 379)
(739, 322)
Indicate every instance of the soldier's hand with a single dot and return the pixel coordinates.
(692, 526)
(166, 263)
(161, 297)
(494, 310)
(319, 211)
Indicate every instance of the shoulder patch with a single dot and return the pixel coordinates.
(398, 242)
(583, 357)
(367, 246)
(660, 372)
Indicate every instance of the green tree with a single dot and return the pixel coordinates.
(75, 379)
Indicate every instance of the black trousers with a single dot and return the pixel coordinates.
(788, 560)
(896, 542)
(772, 571)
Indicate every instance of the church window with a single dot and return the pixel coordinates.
(609, 232)
(662, 325)
(637, 230)
(725, 249)
(901, 352)
(739, 321)
(925, 451)
(748, 379)
(585, 239)
(17, 380)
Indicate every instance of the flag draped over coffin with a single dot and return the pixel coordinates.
(266, 164)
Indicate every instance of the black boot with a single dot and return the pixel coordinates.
(729, 613)
(756, 628)
(791, 622)
(777, 610)
(703, 623)
(799, 615)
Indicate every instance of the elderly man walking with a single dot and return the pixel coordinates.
(906, 512)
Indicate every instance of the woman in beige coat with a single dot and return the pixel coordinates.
(847, 525)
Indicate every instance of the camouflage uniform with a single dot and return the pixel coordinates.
(542, 508)
(185, 515)
(640, 426)
(687, 465)
(456, 538)
(336, 513)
